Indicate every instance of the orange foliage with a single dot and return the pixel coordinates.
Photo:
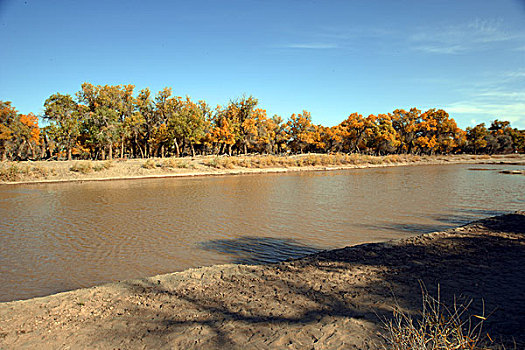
(31, 122)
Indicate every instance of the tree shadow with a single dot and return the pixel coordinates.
(444, 222)
(259, 250)
(412, 229)
(462, 216)
(345, 288)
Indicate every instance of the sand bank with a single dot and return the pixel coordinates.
(330, 300)
(71, 171)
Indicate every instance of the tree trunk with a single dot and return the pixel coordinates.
(245, 149)
(32, 149)
(43, 150)
(135, 145)
(177, 150)
(122, 149)
(192, 149)
(110, 155)
(47, 147)
(69, 156)
(19, 150)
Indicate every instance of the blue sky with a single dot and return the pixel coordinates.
(331, 58)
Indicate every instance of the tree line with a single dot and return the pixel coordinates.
(103, 122)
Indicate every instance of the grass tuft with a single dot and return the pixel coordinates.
(16, 172)
(436, 327)
(103, 166)
(149, 164)
(83, 167)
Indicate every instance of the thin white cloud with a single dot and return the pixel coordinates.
(333, 37)
(463, 108)
(512, 112)
(338, 33)
(455, 39)
(511, 95)
(520, 74)
(312, 46)
(497, 96)
(441, 49)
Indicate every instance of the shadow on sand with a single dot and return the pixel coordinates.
(247, 306)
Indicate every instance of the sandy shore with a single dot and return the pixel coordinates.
(61, 171)
(330, 300)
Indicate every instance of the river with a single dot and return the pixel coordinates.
(58, 237)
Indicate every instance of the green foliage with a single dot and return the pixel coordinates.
(103, 120)
(65, 115)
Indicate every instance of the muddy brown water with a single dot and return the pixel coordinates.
(58, 237)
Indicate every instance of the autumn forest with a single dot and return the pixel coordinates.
(104, 122)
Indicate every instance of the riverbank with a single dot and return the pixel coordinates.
(334, 299)
(67, 171)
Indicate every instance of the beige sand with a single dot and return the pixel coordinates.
(60, 171)
(332, 300)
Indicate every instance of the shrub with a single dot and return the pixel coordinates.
(214, 163)
(376, 160)
(149, 164)
(169, 163)
(299, 162)
(103, 166)
(393, 158)
(82, 167)
(17, 172)
(436, 327)
(12, 173)
(184, 164)
(245, 163)
(227, 163)
(40, 171)
(353, 158)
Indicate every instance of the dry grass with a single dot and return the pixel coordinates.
(16, 172)
(120, 168)
(103, 166)
(169, 164)
(307, 160)
(86, 167)
(436, 327)
(149, 164)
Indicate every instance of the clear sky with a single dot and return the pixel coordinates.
(331, 58)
